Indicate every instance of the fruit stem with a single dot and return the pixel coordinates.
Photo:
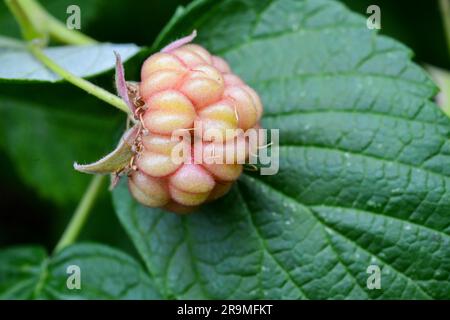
(445, 12)
(36, 23)
(81, 213)
(81, 83)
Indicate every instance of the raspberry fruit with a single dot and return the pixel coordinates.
(188, 88)
(184, 92)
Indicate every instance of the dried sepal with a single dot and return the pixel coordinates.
(121, 84)
(180, 42)
(116, 161)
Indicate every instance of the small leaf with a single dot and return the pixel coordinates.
(21, 270)
(105, 273)
(83, 61)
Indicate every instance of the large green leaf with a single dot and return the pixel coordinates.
(105, 273)
(45, 129)
(364, 166)
(17, 63)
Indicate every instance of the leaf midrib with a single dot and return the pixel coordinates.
(361, 211)
(368, 112)
(368, 156)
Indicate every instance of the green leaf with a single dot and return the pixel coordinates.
(83, 61)
(45, 129)
(20, 271)
(364, 167)
(105, 273)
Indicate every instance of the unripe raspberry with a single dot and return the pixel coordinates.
(191, 184)
(192, 55)
(185, 88)
(147, 190)
(167, 111)
(245, 106)
(221, 65)
(161, 61)
(219, 116)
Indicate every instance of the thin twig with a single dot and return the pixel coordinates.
(81, 213)
(81, 83)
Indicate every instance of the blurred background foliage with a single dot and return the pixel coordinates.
(40, 190)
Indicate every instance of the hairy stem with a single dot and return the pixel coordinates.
(81, 83)
(445, 13)
(81, 213)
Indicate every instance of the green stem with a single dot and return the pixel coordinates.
(81, 83)
(445, 12)
(81, 213)
(59, 32)
(31, 25)
(36, 22)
